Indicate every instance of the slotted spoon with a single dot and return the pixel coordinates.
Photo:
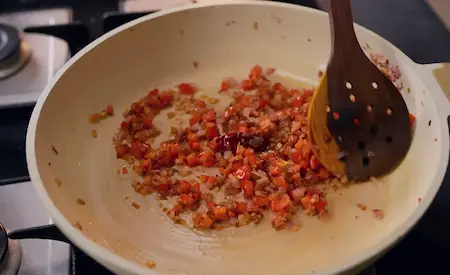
(358, 121)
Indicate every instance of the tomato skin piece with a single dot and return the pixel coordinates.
(412, 119)
(122, 150)
(241, 207)
(137, 149)
(109, 110)
(255, 72)
(220, 213)
(247, 187)
(192, 160)
(147, 123)
(186, 200)
(280, 182)
(261, 201)
(164, 187)
(184, 186)
(207, 159)
(247, 85)
(187, 89)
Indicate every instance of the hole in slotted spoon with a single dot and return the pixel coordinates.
(369, 108)
(365, 161)
(374, 130)
(348, 85)
(352, 98)
(328, 109)
(389, 111)
(361, 145)
(375, 85)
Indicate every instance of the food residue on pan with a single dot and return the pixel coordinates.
(58, 182)
(78, 226)
(361, 206)
(419, 199)
(436, 139)
(255, 26)
(195, 64)
(81, 202)
(379, 214)
(55, 150)
(94, 133)
(135, 205)
(151, 264)
(105, 113)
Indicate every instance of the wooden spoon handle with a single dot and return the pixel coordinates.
(342, 32)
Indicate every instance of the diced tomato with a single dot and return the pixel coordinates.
(186, 200)
(187, 89)
(255, 72)
(109, 110)
(210, 205)
(166, 97)
(210, 116)
(224, 86)
(145, 164)
(212, 131)
(184, 186)
(220, 213)
(138, 110)
(200, 104)
(202, 221)
(196, 195)
(261, 201)
(281, 204)
(164, 187)
(137, 149)
(247, 187)
(155, 103)
(207, 158)
(147, 122)
(280, 182)
(321, 204)
(263, 103)
(274, 170)
(122, 150)
(194, 119)
(306, 202)
(124, 125)
(323, 173)
(278, 87)
(247, 85)
(192, 160)
(314, 163)
(153, 92)
(174, 150)
(296, 156)
(298, 102)
(241, 207)
(412, 119)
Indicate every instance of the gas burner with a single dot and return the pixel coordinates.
(14, 52)
(10, 254)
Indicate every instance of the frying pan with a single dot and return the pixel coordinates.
(223, 40)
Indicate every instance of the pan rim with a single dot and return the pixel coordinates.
(118, 263)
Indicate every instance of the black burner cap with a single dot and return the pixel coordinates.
(3, 243)
(9, 41)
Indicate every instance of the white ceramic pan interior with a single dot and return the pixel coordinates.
(224, 40)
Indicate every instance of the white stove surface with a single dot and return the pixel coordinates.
(48, 54)
(21, 208)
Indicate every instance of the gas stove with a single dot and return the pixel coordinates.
(34, 43)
